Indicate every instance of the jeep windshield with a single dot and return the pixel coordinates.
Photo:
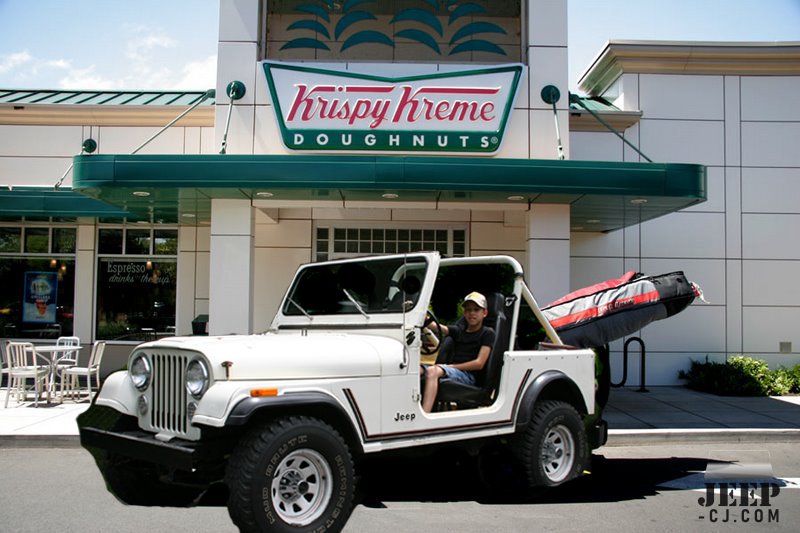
(365, 287)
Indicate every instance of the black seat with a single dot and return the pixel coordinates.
(487, 380)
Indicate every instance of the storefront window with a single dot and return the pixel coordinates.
(135, 299)
(64, 240)
(136, 283)
(37, 240)
(10, 239)
(137, 242)
(165, 242)
(37, 297)
(109, 241)
(37, 276)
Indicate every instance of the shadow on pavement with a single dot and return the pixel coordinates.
(448, 479)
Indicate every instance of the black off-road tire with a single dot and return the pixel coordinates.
(553, 447)
(293, 475)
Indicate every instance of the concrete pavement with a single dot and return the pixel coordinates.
(681, 415)
(662, 415)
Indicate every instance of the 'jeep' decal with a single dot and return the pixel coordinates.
(400, 417)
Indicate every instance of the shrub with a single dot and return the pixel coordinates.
(782, 382)
(794, 376)
(742, 376)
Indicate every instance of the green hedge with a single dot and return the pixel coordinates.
(742, 376)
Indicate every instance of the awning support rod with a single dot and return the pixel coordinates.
(235, 90)
(88, 146)
(208, 94)
(575, 99)
(550, 94)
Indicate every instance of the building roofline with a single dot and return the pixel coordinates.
(689, 57)
(104, 108)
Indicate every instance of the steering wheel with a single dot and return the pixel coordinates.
(428, 348)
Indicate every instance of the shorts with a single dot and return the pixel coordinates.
(457, 375)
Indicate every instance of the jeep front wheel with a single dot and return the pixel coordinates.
(553, 448)
(295, 474)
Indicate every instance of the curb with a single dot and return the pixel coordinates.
(616, 437)
(40, 441)
(651, 437)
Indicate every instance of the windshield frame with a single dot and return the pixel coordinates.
(373, 290)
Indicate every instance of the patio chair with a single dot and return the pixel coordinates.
(72, 373)
(4, 362)
(22, 367)
(67, 359)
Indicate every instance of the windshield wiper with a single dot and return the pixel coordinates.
(354, 302)
(297, 305)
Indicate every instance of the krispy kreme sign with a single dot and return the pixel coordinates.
(326, 110)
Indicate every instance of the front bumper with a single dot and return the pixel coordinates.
(106, 432)
(144, 447)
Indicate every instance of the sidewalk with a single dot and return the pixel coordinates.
(678, 415)
(49, 425)
(668, 415)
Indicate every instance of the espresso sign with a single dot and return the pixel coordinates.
(326, 110)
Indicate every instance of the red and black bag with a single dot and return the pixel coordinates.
(607, 311)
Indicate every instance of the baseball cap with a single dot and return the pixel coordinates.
(476, 297)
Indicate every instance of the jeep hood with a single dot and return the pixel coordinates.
(281, 356)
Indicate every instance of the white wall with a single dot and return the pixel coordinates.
(742, 245)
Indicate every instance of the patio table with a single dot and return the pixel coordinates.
(53, 354)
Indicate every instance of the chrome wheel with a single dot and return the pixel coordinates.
(301, 487)
(557, 453)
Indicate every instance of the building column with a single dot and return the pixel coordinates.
(230, 306)
(548, 251)
(85, 289)
(187, 279)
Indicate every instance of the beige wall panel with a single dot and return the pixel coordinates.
(285, 234)
(18, 141)
(494, 236)
(34, 171)
(281, 263)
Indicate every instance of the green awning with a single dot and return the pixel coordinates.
(604, 195)
(38, 203)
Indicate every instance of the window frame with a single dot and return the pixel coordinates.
(332, 226)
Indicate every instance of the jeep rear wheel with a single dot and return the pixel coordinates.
(553, 448)
(295, 474)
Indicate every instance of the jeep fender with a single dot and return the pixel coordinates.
(118, 393)
(549, 385)
(311, 403)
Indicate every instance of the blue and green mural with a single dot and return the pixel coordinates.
(446, 27)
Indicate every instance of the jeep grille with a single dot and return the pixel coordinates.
(168, 396)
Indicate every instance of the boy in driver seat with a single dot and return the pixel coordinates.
(472, 346)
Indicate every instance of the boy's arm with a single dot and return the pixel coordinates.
(476, 364)
(433, 324)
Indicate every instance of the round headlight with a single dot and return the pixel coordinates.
(140, 372)
(196, 378)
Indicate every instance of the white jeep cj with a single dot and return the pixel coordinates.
(281, 421)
